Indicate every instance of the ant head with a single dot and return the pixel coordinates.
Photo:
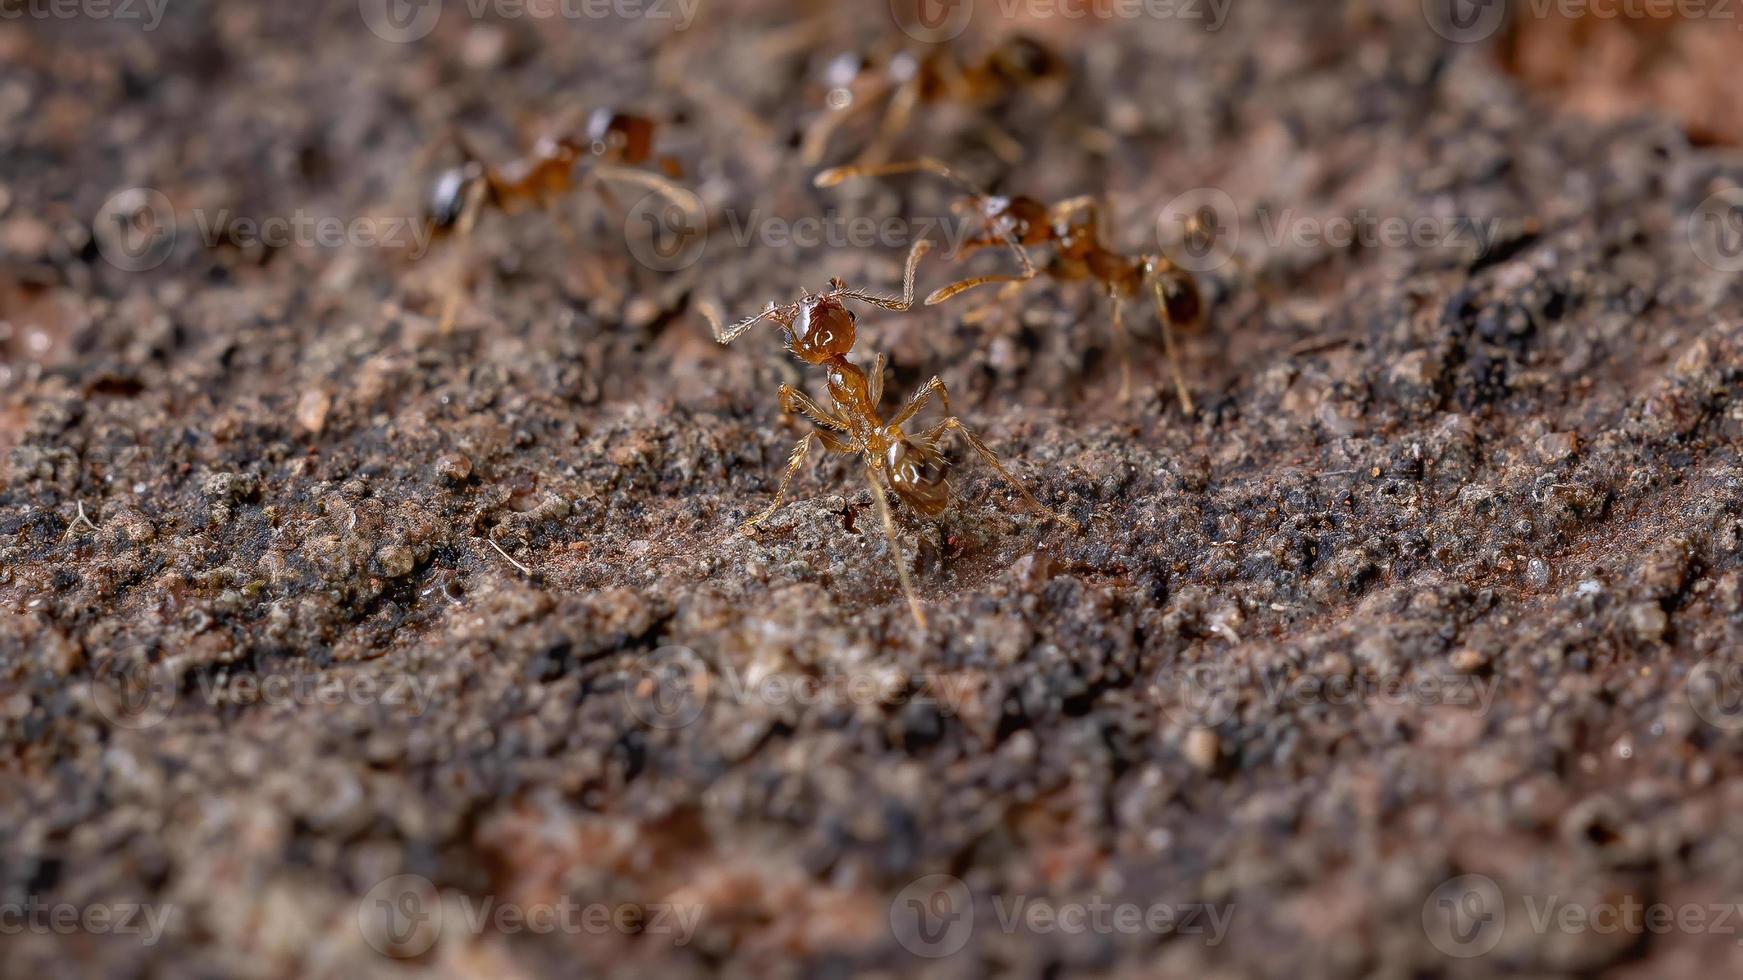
(822, 329)
(1022, 60)
(918, 475)
(620, 137)
(448, 195)
(1024, 218)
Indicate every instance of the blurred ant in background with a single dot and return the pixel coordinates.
(611, 147)
(821, 331)
(1072, 228)
(899, 81)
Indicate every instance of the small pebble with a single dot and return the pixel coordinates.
(1202, 748)
(1468, 661)
(454, 467)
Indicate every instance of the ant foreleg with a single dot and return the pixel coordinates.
(795, 460)
(953, 423)
(793, 400)
(875, 380)
(919, 398)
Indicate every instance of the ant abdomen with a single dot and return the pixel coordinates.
(919, 476)
(1180, 293)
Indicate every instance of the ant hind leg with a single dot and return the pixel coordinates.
(881, 499)
(953, 423)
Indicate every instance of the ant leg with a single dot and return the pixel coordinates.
(876, 379)
(918, 400)
(672, 191)
(794, 461)
(816, 140)
(883, 505)
(896, 116)
(943, 293)
(992, 459)
(1168, 343)
(462, 254)
(931, 165)
(999, 301)
(794, 400)
(1122, 346)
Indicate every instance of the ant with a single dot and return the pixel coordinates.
(1073, 229)
(820, 330)
(904, 81)
(612, 145)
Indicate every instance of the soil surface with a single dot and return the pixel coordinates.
(1413, 651)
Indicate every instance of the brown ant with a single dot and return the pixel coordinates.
(820, 330)
(903, 81)
(1073, 229)
(611, 147)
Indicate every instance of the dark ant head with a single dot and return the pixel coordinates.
(919, 476)
(822, 329)
(1022, 60)
(619, 137)
(448, 195)
(1023, 218)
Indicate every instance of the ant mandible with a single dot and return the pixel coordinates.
(1073, 229)
(821, 331)
(612, 146)
(904, 81)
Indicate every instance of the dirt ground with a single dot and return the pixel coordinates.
(339, 646)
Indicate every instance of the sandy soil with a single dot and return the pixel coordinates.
(1413, 652)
